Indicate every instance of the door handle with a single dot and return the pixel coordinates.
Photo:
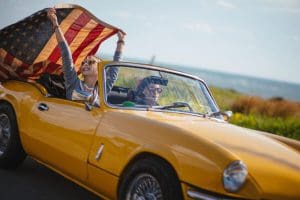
(43, 107)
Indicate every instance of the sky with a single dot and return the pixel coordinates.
(258, 38)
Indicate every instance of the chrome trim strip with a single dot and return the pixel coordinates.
(200, 196)
(144, 66)
(99, 152)
(147, 66)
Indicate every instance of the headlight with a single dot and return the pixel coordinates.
(234, 176)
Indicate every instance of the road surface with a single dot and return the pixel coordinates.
(34, 181)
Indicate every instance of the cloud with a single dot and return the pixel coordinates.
(295, 38)
(289, 6)
(200, 27)
(123, 14)
(289, 10)
(249, 34)
(226, 4)
(129, 15)
(288, 3)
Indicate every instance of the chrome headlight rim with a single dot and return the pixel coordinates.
(234, 176)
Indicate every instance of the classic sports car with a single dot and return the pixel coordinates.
(158, 134)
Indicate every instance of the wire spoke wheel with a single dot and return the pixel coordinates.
(144, 187)
(5, 132)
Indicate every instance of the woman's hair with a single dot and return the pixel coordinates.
(93, 57)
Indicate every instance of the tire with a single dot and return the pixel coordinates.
(11, 150)
(150, 178)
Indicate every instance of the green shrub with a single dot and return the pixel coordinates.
(288, 127)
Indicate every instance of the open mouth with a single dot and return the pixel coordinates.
(86, 69)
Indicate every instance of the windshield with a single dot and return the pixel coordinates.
(147, 88)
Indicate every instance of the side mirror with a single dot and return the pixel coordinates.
(227, 115)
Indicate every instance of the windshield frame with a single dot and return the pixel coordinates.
(156, 68)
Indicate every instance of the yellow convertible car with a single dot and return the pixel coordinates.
(157, 134)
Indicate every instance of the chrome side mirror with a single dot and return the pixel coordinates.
(227, 115)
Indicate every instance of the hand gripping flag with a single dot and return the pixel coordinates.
(29, 47)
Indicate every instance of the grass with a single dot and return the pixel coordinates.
(224, 97)
(275, 115)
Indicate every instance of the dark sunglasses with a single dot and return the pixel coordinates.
(158, 90)
(89, 62)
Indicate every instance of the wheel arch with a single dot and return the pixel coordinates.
(13, 93)
(140, 156)
(14, 153)
(13, 103)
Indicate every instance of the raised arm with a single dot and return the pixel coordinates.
(120, 46)
(112, 72)
(70, 75)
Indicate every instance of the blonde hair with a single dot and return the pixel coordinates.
(97, 59)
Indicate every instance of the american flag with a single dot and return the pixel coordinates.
(29, 47)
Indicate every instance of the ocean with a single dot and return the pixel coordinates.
(245, 84)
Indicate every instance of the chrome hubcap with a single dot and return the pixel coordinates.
(5, 132)
(144, 187)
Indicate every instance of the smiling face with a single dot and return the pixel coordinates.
(89, 66)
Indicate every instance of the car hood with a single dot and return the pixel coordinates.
(274, 166)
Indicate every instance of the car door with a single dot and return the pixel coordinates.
(60, 132)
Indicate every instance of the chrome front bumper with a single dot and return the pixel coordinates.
(202, 196)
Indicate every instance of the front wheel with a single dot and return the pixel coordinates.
(150, 179)
(145, 186)
(11, 151)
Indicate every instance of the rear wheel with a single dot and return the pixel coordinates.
(11, 151)
(150, 179)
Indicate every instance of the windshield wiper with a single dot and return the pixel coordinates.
(218, 113)
(175, 105)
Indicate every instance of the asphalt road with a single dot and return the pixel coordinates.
(36, 182)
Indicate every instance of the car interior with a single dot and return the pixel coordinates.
(54, 85)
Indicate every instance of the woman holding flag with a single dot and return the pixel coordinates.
(85, 89)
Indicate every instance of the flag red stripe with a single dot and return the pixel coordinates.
(4, 71)
(21, 69)
(70, 34)
(3, 75)
(37, 67)
(8, 59)
(95, 49)
(89, 38)
(25, 66)
(7, 65)
(51, 67)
